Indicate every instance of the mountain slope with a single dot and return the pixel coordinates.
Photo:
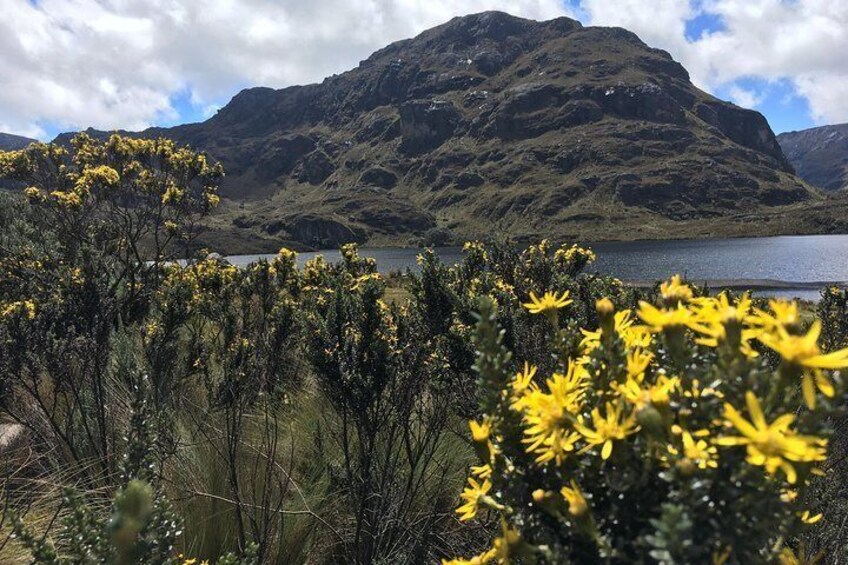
(9, 142)
(819, 155)
(494, 123)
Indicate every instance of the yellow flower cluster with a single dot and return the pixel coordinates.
(120, 170)
(600, 408)
(25, 308)
(204, 280)
(575, 253)
(717, 321)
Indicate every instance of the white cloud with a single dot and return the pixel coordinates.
(802, 41)
(745, 97)
(119, 63)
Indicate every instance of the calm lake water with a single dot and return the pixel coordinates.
(796, 264)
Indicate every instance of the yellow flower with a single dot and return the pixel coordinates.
(803, 352)
(698, 451)
(67, 199)
(172, 194)
(24, 307)
(675, 291)
(472, 495)
(773, 446)
(577, 505)
(784, 313)
(658, 319)
(657, 394)
(788, 495)
(503, 548)
(608, 427)
(287, 255)
(481, 559)
(604, 306)
(524, 380)
(507, 545)
(359, 281)
(548, 415)
(480, 432)
(103, 175)
(712, 317)
(696, 391)
(34, 193)
(632, 335)
(637, 363)
(549, 302)
(482, 471)
(811, 519)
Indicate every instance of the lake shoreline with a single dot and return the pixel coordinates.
(747, 284)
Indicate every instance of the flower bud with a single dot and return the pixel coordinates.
(651, 421)
(606, 309)
(686, 467)
(549, 502)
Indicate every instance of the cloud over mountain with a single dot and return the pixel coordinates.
(132, 63)
(70, 64)
(802, 41)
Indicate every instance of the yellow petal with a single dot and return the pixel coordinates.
(754, 409)
(737, 420)
(824, 384)
(731, 441)
(791, 475)
(607, 450)
(835, 360)
(809, 390)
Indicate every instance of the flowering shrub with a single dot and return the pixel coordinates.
(446, 298)
(314, 411)
(662, 436)
(134, 199)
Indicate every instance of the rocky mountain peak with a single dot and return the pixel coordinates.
(493, 122)
(820, 155)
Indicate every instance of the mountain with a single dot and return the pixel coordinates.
(493, 123)
(819, 155)
(9, 142)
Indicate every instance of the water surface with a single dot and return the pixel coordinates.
(796, 264)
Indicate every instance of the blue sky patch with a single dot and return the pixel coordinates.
(777, 100)
(702, 24)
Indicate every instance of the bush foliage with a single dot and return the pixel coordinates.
(316, 413)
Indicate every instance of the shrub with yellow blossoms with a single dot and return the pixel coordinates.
(666, 435)
(544, 276)
(135, 198)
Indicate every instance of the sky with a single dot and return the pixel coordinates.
(129, 64)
